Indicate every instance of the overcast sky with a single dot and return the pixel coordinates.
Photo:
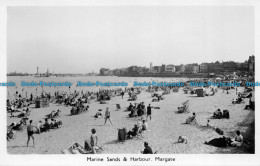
(82, 39)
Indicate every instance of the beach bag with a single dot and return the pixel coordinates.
(219, 131)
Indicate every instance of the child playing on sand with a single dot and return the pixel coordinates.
(144, 125)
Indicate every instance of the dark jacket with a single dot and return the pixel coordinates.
(148, 150)
(149, 110)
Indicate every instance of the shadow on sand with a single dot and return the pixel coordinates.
(19, 146)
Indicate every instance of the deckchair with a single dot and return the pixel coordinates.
(10, 135)
(76, 149)
(139, 133)
(191, 120)
(122, 135)
(184, 108)
(118, 107)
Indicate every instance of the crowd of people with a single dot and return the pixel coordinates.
(77, 99)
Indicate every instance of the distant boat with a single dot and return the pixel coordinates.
(41, 75)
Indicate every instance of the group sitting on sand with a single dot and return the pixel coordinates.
(135, 110)
(49, 124)
(138, 129)
(225, 141)
(158, 98)
(218, 114)
(53, 114)
(24, 113)
(237, 100)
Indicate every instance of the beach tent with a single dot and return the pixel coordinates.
(200, 92)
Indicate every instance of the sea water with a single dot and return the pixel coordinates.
(37, 90)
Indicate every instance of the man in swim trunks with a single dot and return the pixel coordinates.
(30, 132)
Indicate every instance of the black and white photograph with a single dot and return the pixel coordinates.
(130, 80)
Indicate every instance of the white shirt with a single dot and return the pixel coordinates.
(39, 125)
(239, 138)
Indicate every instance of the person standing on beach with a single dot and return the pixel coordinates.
(149, 112)
(122, 94)
(38, 126)
(107, 116)
(93, 141)
(143, 108)
(30, 133)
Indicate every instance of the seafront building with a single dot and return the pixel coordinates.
(219, 68)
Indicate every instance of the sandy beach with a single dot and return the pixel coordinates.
(163, 130)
